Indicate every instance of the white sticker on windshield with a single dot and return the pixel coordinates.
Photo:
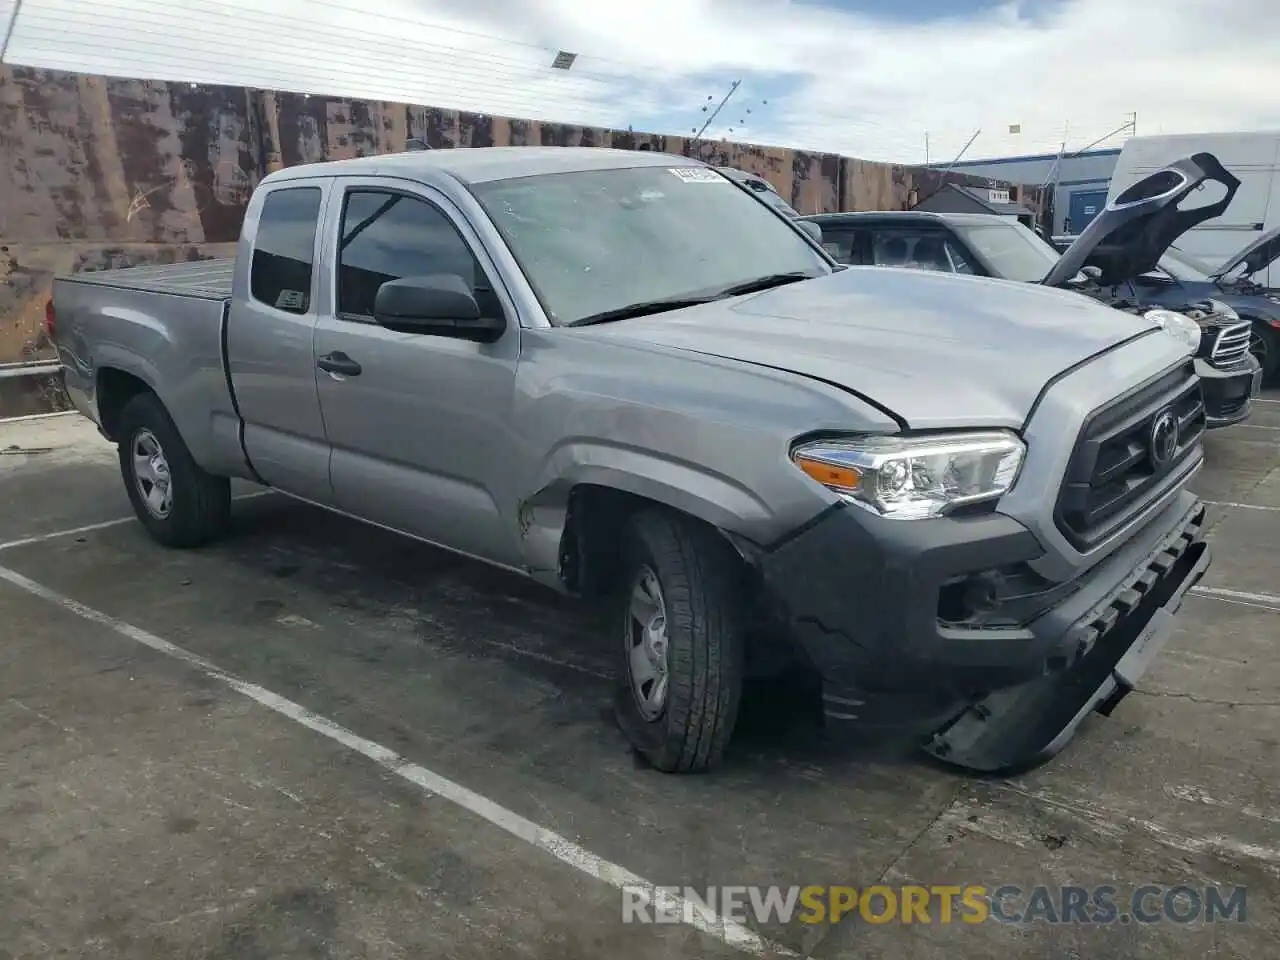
(697, 175)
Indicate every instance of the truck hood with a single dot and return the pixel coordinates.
(1256, 256)
(1131, 234)
(933, 350)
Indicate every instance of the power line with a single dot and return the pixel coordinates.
(504, 102)
(501, 70)
(246, 35)
(303, 58)
(453, 78)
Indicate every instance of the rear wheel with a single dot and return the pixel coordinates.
(679, 615)
(1263, 345)
(178, 503)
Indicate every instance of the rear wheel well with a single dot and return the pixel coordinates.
(115, 389)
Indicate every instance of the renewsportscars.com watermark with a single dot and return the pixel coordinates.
(971, 904)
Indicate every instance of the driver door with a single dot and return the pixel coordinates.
(416, 422)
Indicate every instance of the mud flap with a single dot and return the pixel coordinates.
(1015, 730)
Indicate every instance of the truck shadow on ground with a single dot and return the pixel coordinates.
(454, 605)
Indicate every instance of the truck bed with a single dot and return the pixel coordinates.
(202, 279)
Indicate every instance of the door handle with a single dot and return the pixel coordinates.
(338, 364)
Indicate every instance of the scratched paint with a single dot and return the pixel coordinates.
(100, 172)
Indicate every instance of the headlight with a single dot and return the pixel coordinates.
(1224, 309)
(910, 478)
(1178, 326)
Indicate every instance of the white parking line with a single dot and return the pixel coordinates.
(727, 931)
(37, 416)
(1238, 506)
(90, 527)
(1223, 593)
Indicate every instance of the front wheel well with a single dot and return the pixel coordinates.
(115, 388)
(591, 566)
(590, 545)
(595, 522)
(1264, 336)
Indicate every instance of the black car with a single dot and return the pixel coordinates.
(1180, 277)
(1117, 248)
(762, 188)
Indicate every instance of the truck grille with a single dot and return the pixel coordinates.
(1231, 345)
(1118, 466)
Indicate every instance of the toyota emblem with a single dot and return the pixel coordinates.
(1163, 440)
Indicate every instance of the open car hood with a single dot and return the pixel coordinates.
(1256, 256)
(1133, 231)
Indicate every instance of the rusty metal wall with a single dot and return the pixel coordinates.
(98, 172)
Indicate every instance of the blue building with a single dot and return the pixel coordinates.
(1082, 181)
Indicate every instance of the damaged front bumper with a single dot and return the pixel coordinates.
(879, 609)
(1229, 392)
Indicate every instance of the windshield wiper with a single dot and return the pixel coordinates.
(642, 309)
(766, 282)
(647, 307)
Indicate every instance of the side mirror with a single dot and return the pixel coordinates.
(440, 304)
(812, 229)
(1093, 273)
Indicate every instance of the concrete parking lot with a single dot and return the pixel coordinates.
(315, 739)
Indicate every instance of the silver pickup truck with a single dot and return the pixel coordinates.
(960, 504)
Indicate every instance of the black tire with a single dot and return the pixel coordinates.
(1265, 346)
(200, 505)
(701, 588)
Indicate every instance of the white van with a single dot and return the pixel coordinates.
(1254, 158)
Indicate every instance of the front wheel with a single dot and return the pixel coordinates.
(178, 503)
(680, 642)
(1262, 344)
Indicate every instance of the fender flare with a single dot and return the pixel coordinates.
(715, 499)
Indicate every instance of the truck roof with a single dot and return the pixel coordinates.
(483, 164)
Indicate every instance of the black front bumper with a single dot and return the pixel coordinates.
(878, 607)
(1229, 392)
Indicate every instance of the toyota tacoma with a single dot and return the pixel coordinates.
(617, 374)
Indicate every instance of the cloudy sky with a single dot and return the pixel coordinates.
(868, 78)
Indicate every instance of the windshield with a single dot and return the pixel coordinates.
(1183, 266)
(597, 241)
(1010, 250)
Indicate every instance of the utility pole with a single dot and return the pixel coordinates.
(926, 148)
(8, 30)
(1055, 172)
(733, 88)
(1133, 123)
(963, 151)
(945, 173)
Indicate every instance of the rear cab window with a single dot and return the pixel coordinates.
(283, 262)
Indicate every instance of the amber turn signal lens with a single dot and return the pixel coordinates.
(830, 474)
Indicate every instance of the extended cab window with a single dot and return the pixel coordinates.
(387, 236)
(284, 249)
